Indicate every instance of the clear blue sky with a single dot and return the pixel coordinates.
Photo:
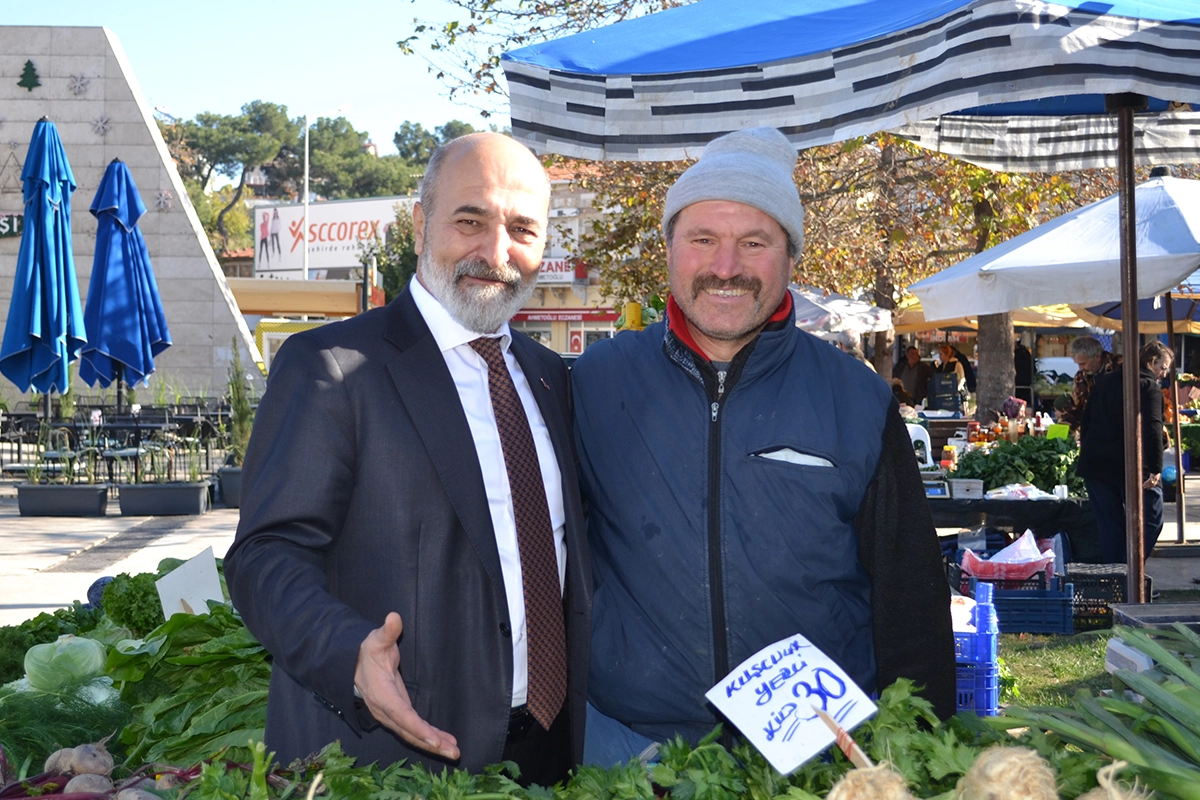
(313, 57)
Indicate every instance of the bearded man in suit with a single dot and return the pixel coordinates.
(411, 547)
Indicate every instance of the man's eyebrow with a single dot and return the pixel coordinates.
(473, 210)
(528, 222)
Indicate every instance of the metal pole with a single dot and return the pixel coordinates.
(1180, 518)
(1124, 106)
(305, 231)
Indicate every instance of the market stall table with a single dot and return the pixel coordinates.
(1045, 518)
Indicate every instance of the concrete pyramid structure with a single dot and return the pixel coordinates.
(87, 87)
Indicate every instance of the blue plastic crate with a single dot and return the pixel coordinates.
(975, 648)
(1036, 611)
(979, 646)
(978, 688)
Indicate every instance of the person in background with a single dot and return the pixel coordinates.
(914, 375)
(968, 368)
(745, 481)
(1102, 453)
(1023, 365)
(411, 549)
(951, 361)
(1093, 360)
(900, 393)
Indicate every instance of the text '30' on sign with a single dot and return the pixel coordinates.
(771, 698)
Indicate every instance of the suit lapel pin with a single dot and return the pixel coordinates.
(547, 385)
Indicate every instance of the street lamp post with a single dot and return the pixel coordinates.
(305, 231)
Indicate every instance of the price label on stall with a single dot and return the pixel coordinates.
(772, 698)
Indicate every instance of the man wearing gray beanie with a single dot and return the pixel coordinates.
(746, 481)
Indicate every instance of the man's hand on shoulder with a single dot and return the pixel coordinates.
(377, 678)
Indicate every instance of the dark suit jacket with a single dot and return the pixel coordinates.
(1102, 429)
(362, 494)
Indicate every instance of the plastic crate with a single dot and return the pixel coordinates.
(978, 688)
(1037, 611)
(974, 648)
(1097, 587)
(961, 581)
(979, 646)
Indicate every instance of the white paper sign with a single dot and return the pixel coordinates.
(188, 588)
(771, 695)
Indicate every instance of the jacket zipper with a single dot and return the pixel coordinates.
(715, 563)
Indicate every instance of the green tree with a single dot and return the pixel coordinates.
(416, 144)
(263, 137)
(340, 166)
(395, 256)
(239, 222)
(230, 146)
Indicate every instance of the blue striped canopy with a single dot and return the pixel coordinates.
(44, 329)
(126, 325)
(663, 85)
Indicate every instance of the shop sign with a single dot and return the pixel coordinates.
(337, 232)
(568, 315)
(11, 225)
(556, 270)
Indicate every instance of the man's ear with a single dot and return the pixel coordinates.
(418, 215)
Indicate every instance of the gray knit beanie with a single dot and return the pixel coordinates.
(753, 167)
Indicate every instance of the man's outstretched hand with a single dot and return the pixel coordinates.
(378, 679)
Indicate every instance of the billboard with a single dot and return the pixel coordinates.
(335, 230)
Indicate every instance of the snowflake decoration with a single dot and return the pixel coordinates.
(101, 125)
(13, 145)
(78, 84)
(163, 200)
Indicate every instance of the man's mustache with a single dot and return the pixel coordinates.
(481, 270)
(709, 282)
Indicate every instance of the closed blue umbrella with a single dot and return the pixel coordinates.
(126, 326)
(44, 329)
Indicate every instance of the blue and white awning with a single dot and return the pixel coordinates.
(661, 86)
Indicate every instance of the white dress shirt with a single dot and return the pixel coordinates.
(469, 371)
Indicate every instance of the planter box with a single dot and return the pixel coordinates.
(231, 486)
(62, 500)
(163, 499)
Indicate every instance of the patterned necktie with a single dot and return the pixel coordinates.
(544, 628)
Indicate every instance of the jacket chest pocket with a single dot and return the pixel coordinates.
(801, 482)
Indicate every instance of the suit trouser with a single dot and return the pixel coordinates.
(1108, 505)
(543, 756)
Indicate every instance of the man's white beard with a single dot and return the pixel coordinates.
(482, 309)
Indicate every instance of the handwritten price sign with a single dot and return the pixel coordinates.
(771, 698)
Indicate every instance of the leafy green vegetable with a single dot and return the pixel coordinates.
(1045, 463)
(33, 724)
(15, 640)
(133, 601)
(68, 659)
(197, 684)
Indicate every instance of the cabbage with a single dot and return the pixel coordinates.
(68, 660)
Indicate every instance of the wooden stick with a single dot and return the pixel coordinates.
(844, 741)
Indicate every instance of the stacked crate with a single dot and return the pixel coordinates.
(977, 670)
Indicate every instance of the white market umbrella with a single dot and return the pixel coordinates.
(1076, 258)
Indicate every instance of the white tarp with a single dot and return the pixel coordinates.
(1076, 257)
(818, 312)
